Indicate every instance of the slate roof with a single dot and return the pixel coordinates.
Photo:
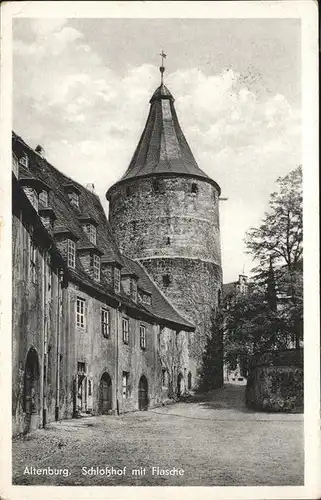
(163, 149)
(159, 304)
(68, 218)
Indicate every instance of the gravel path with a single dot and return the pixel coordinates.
(212, 442)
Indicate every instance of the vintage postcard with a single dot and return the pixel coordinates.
(159, 204)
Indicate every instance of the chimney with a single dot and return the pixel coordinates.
(91, 187)
(40, 150)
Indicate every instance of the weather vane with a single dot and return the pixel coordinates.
(162, 68)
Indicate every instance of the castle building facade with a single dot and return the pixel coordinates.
(112, 315)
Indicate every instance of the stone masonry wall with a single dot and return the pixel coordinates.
(275, 382)
(174, 221)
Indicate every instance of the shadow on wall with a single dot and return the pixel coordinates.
(211, 370)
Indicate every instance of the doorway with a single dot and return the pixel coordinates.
(180, 388)
(105, 394)
(143, 393)
(31, 392)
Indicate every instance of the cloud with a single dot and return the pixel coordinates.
(89, 119)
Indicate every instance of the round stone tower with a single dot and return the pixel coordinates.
(164, 212)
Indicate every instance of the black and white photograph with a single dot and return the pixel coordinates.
(158, 313)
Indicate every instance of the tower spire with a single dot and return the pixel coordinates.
(162, 68)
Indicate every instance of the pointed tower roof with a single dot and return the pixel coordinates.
(163, 149)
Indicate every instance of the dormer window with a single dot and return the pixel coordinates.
(117, 280)
(24, 161)
(71, 254)
(73, 194)
(44, 198)
(96, 267)
(91, 232)
(74, 198)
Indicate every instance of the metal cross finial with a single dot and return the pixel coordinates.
(162, 69)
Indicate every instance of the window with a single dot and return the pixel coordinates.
(166, 280)
(71, 253)
(89, 388)
(33, 261)
(133, 284)
(128, 191)
(125, 385)
(219, 298)
(91, 232)
(73, 198)
(194, 188)
(168, 240)
(96, 266)
(80, 313)
(147, 299)
(116, 279)
(43, 198)
(24, 161)
(125, 330)
(81, 367)
(142, 335)
(105, 322)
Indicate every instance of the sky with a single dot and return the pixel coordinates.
(81, 89)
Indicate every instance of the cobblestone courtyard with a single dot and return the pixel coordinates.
(216, 442)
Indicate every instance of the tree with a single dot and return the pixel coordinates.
(281, 232)
(252, 326)
(279, 239)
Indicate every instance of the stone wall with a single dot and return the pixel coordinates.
(172, 221)
(275, 382)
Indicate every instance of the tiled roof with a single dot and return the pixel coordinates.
(69, 219)
(67, 214)
(160, 305)
(162, 148)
